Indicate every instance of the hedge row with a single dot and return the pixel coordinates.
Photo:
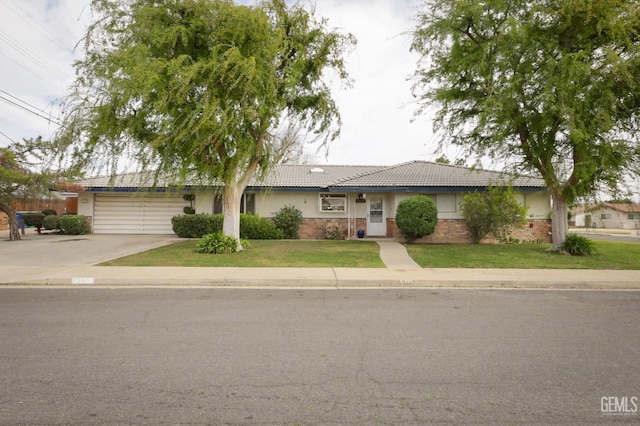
(69, 224)
(252, 227)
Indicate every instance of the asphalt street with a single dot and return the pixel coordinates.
(305, 356)
(612, 237)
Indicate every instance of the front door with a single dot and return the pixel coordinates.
(376, 223)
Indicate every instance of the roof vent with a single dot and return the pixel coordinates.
(317, 170)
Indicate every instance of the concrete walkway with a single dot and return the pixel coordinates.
(401, 271)
(394, 255)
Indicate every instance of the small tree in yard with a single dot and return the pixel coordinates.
(27, 170)
(493, 212)
(417, 217)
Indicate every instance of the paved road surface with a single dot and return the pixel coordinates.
(612, 237)
(389, 356)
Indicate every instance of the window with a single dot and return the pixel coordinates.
(247, 204)
(634, 216)
(446, 203)
(218, 202)
(333, 202)
(605, 216)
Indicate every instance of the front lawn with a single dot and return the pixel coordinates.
(365, 254)
(609, 255)
(264, 253)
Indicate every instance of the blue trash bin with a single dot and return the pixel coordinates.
(20, 222)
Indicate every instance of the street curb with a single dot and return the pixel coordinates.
(338, 284)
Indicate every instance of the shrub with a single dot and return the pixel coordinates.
(334, 232)
(188, 210)
(73, 224)
(49, 212)
(494, 212)
(254, 227)
(217, 243)
(245, 244)
(50, 222)
(33, 219)
(196, 225)
(577, 245)
(416, 217)
(288, 219)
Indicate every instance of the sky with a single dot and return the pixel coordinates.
(39, 43)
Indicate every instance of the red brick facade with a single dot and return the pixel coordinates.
(447, 230)
(455, 231)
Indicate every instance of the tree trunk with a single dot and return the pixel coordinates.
(231, 210)
(559, 221)
(14, 233)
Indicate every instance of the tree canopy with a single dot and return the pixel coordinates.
(196, 89)
(25, 173)
(548, 85)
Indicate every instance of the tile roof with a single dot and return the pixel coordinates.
(427, 174)
(311, 176)
(415, 174)
(621, 207)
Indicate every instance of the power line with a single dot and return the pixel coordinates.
(24, 102)
(48, 118)
(38, 27)
(31, 72)
(32, 57)
(5, 135)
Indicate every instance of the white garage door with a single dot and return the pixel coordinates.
(136, 214)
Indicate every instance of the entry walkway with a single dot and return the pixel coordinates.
(394, 255)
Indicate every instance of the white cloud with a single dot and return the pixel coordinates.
(36, 66)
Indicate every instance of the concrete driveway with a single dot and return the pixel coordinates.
(74, 250)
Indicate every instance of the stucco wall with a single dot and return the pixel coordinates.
(450, 228)
(618, 219)
(85, 203)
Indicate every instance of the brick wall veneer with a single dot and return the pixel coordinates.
(447, 230)
(455, 231)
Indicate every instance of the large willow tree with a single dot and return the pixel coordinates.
(195, 89)
(552, 84)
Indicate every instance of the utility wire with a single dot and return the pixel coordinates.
(38, 26)
(24, 102)
(58, 88)
(5, 135)
(32, 57)
(49, 118)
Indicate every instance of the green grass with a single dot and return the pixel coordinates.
(609, 255)
(365, 254)
(264, 253)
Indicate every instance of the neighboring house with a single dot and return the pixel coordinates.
(355, 197)
(609, 215)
